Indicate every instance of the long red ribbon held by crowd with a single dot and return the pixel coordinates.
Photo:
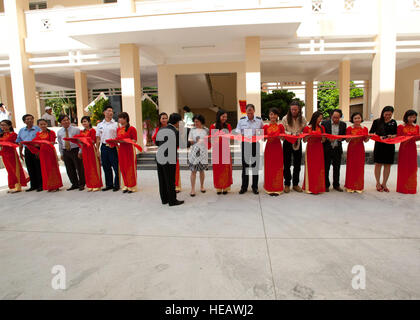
(294, 138)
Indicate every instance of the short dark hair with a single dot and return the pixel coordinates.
(106, 107)
(174, 118)
(336, 110)
(200, 118)
(355, 114)
(1, 104)
(62, 117)
(187, 109)
(386, 109)
(409, 113)
(250, 105)
(27, 115)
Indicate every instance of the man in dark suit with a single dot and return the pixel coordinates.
(167, 140)
(333, 149)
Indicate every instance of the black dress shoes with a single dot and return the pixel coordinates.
(242, 191)
(81, 188)
(255, 191)
(39, 190)
(177, 203)
(115, 189)
(72, 188)
(30, 189)
(107, 188)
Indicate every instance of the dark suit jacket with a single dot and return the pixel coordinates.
(342, 127)
(166, 135)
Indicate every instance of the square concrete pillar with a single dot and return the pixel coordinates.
(127, 6)
(344, 88)
(384, 60)
(253, 73)
(309, 99)
(166, 90)
(22, 77)
(366, 100)
(82, 94)
(6, 94)
(240, 91)
(130, 86)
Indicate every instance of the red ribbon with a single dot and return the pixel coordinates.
(126, 140)
(8, 144)
(33, 145)
(293, 138)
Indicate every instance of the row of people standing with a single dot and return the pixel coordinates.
(320, 155)
(82, 159)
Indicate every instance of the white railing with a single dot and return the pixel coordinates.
(76, 58)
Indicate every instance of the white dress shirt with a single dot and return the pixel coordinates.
(62, 134)
(249, 127)
(107, 130)
(5, 115)
(50, 117)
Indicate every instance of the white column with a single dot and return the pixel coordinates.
(6, 94)
(344, 88)
(384, 60)
(253, 73)
(366, 100)
(82, 93)
(167, 90)
(240, 91)
(130, 86)
(23, 78)
(127, 6)
(309, 99)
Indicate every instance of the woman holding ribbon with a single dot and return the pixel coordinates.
(383, 153)
(355, 165)
(273, 155)
(221, 157)
(51, 176)
(15, 174)
(163, 122)
(407, 155)
(90, 155)
(127, 157)
(314, 180)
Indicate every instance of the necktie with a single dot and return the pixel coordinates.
(67, 143)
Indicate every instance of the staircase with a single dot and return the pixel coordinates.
(146, 160)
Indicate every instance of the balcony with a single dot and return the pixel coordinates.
(80, 28)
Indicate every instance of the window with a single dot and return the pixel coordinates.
(37, 5)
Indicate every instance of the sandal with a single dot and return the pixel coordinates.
(385, 188)
(380, 188)
(192, 194)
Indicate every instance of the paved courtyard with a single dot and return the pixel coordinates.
(129, 246)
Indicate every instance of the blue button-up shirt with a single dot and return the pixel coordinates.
(252, 125)
(26, 134)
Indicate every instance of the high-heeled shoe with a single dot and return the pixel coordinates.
(385, 188)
